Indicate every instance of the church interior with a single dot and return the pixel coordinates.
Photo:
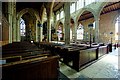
(57, 40)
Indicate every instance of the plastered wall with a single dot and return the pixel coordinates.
(107, 25)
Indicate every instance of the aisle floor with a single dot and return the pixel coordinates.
(106, 67)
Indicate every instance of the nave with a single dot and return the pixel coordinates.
(59, 40)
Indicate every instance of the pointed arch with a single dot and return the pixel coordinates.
(86, 9)
(43, 12)
(58, 23)
(33, 13)
(103, 4)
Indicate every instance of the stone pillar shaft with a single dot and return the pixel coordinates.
(97, 31)
(41, 32)
(10, 21)
(75, 32)
(37, 36)
(14, 22)
(18, 30)
(67, 22)
(48, 28)
(54, 20)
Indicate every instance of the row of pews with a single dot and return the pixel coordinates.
(25, 61)
(76, 55)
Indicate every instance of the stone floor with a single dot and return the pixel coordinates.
(106, 67)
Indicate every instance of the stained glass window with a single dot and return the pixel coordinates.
(61, 14)
(22, 27)
(80, 4)
(58, 17)
(87, 2)
(80, 32)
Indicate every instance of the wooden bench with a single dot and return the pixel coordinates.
(12, 59)
(23, 56)
(102, 50)
(41, 68)
(84, 57)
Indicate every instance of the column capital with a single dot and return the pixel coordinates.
(97, 19)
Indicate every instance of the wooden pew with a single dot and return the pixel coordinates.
(21, 51)
(84, 57)
(23, 56)
(102, 50)
(40, 68)
(76, 57)
(19, 46)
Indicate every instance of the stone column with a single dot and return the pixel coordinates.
(10, 20)
(18, 30)
(54, 23)
(0, 26)
(48, 26)
(37, 28)
(75, 31)
(14, 22)
(97, 30)
(1, 37)
(67, 22)
(41, 32)
(1, 31)
(54, 20)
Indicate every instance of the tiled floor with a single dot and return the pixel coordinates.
(106, 67)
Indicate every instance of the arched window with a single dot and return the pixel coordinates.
(80, 32)
(61, 14)
(116, 28)
(72, 8)
(22, 27)
(70, 34)
(58, 16)
(59, 31)
(80, 4)
(87, 2)
(93, 25)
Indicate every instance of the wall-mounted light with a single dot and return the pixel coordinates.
(90, 25)
(111, 33)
